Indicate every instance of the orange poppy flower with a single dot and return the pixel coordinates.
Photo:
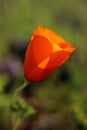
(45, 52)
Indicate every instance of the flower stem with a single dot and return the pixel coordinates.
(18, 91)
(16, 118)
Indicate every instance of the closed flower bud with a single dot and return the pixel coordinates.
(46, 51)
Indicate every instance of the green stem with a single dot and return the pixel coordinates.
(18, 91)
(15, 97)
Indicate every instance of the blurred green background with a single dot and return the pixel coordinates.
(60, 100)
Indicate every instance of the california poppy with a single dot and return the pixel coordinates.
(45, 52)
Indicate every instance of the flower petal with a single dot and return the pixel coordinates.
(52, 36)
(67, 47)
(41, 48)
(35, 75)
(44, 63)
(57, 58)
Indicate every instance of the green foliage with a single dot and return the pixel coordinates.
(22, 108)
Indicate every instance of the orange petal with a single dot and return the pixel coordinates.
(29, 63)
(41, 47)
(57, 58)
(67, 47)
(35, 75)
(44, 63)
(38, 74)
(51, 35)
(37, 51)
(57, 41)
